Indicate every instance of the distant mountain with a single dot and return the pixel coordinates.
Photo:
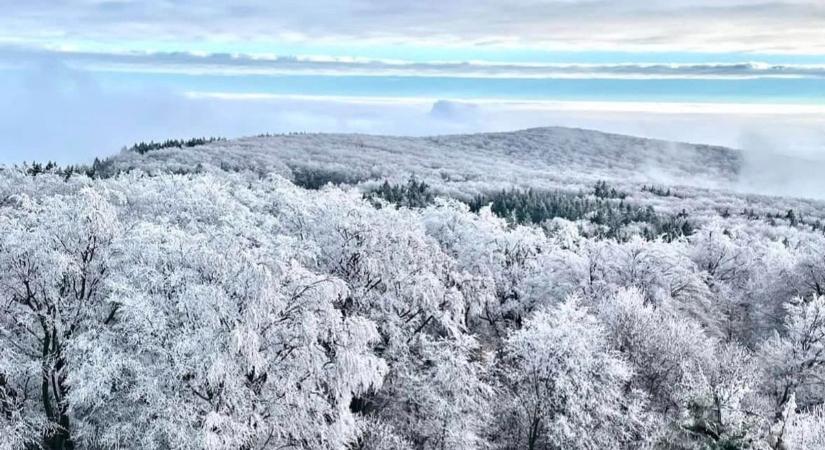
(538, 157)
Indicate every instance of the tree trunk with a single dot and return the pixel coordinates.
(533, 434)
(52, 389)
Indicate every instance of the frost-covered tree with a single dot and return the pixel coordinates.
(660, 345)
(54, 264)
(567, 386)
(445, 384)
(234, 350)
(809, 272)
(794, 358)
(161, 337)
(799, 430)
(400, 278)
(721, 404)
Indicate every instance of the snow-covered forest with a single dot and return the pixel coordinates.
(545, 289)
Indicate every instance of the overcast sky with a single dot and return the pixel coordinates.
(792, 26)
(82, 78)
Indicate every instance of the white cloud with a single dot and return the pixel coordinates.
(243, 64)
(710, 25)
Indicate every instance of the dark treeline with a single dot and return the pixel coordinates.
(100, 168)
(144, 147)
(531, 206)
(414, 194)
(795, 219)
(603, 190)
(659, 191)
(316, 178)
(96, 169)
(526, 206)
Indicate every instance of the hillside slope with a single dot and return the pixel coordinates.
(543, 155)
(706, 180)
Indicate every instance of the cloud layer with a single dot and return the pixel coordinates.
(245, 64)
(793, 26)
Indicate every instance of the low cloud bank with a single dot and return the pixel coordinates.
(256, 64)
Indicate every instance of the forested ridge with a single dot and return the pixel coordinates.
(177, 299)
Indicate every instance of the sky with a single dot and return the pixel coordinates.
(83, 78)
